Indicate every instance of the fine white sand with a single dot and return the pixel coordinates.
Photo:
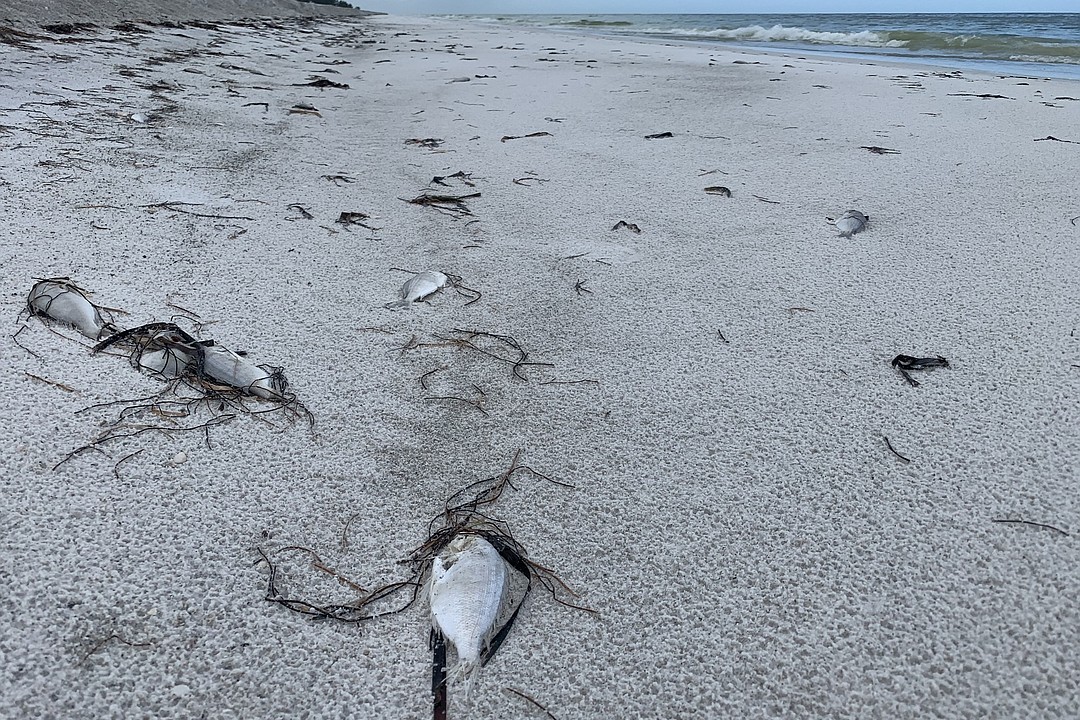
(752, 546)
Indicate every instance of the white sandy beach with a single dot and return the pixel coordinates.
(752, 546)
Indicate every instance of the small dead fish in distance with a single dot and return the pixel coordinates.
(65, 302)
(852, 222)
(659, 136)
(907, 362)
(418, 287)
(718, 190)
(466, 591)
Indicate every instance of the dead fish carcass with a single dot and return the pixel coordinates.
(418, 287)
(62, 300)
(852, 222)
(162, 349)
(220, 365)
(466, 591)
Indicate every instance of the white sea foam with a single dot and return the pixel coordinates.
(759, 33)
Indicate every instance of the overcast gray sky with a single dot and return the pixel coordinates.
(505, 7)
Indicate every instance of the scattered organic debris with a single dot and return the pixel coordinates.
(765, 200)
(1032, 524)
(530, 135)
(464, 177)
(304, 109)
(659, 136)
(580, 288)
(718, 190)
(429, 143)
(1051, 137)
(354, 218)
(906, 363)
(528, 180)
(987, 96)
(531, 700)
(453, 205)
(320, 82)
(721, 336)
(305, 214)
(877, 150)
(629, 226)
(893, 450)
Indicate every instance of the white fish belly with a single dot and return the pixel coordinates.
(67, 306)
(468, 582)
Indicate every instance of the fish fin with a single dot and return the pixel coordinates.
(398, 305)
(438, 674)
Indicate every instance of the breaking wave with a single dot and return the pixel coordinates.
(782, 33)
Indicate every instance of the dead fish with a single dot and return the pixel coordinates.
(718, 190)
(160, 348)
(907, 362)
(62, 300)
(221, 365)
(418, 287)
(466, 591)
(852, 222)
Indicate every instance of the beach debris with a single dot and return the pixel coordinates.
(178, 459)
(1051, 137)
(629, 226)
(878, 150)
(463, 78)
(464, 177)
(485, 77)
(305, 214)
(765, 200)
(554, 119)
(718, 190)
(1018, 521)
(302, 109)
(659, 136)
(354, 218)
(428, 143)
(852, 222)
(985, 96)
(580, 289)
(893, 450)
(906, 363)
(745, 62)
(139, 118)
(418, 287)
(530, 135)
(320, 82)
(61, 300)
(339, 180)
(528, 180)
(453, 205)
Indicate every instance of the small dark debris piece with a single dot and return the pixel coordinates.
(1051, 137)
(744, 62)
(907, 362)
(718, 190)
(659, 136)
(304, 213)
(628, 226)
(354, 218)
(304, 109)
(519, 137)
(987, 96)
(879, 150)
(321, 82)
(339, 179)
(429, 143)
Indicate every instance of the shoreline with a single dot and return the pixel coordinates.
(768, 519)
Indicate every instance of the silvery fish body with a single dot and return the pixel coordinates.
(418, 287)
(852, 222)
(466, 591)
(169, 362)
(226, 367)
(64, 302)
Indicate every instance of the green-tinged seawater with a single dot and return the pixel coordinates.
(1037, 44)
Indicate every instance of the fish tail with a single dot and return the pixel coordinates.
(398, 305)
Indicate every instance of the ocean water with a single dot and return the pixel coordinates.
(1032, 44)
